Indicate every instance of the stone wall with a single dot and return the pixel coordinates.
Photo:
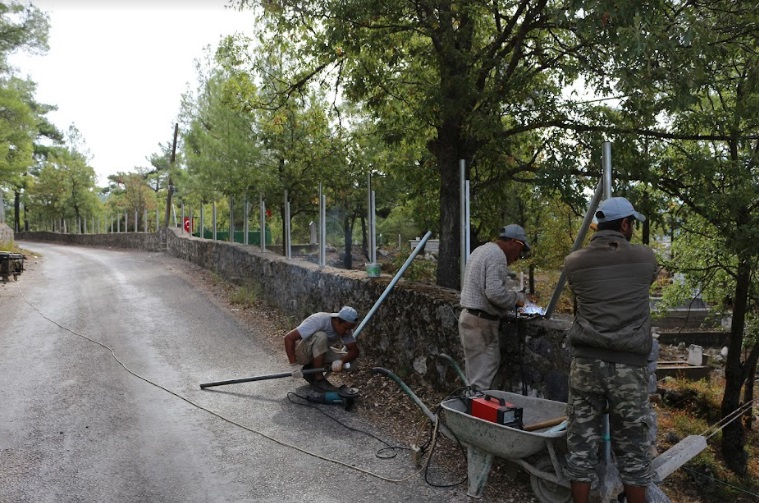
(413, 325)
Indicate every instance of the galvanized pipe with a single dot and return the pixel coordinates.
(392, 283)
(578, 241)
(606, 167)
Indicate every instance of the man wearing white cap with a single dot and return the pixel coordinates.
(311, 345)
(611, 341)
(487, 296)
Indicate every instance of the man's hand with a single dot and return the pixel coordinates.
(337, 366)
(296, 371)
(521, 299)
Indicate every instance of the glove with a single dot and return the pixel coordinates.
(521, 299)
(337, 366)
(296, 371)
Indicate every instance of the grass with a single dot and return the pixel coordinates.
(690, 408)
(246, 295)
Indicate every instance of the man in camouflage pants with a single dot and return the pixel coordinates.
(611, 341)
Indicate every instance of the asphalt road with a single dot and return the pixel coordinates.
(101, 357)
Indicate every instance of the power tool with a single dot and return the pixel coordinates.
(344, 396)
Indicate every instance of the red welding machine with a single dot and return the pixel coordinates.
(495, 410)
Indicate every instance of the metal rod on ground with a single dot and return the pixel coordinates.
(578, 241)
(392, 283)
(266, 377)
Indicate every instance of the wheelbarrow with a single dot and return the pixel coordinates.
(485, 440)
(534, 448)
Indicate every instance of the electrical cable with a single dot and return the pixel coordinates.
(211, 412)
(728, 484)
(388, 446)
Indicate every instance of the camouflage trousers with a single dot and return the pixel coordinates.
(594, 385)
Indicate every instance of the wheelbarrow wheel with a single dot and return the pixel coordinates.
(545, 490)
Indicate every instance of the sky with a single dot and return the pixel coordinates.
(116, 69)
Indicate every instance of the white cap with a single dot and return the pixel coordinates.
(615, 208)
(347, 313)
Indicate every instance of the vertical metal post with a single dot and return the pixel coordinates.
(182, 231)
(373, 254)
(231, 219)
(246, 225)
(201, 231)
(214, 220)
(262, 221)
(606, 167)
(288, 237)
(322, 228)
(463, 221)
(371, 245)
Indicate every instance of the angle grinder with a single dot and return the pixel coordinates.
(344, 396)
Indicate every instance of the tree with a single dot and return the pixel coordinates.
(22, 27)
(697, 67)
(476, 80)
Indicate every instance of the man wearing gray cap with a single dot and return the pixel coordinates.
(611, 341)
(487, 296)
(311, 344)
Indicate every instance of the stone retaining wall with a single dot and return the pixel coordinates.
(413, 325)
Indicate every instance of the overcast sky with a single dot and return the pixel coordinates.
(116, 69)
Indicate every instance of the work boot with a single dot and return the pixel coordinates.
(323, 385)
(309, 377)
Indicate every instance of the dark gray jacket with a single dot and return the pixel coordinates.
(611, 279)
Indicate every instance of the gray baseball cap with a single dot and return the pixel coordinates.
(514, 231)
(347, 313)
(615, 208)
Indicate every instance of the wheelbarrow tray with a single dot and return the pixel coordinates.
(505, 441)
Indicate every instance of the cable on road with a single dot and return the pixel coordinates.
(218, 415)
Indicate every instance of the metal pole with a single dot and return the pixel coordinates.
(262, 221)
(463, 222)
(322, 229)
(246, 225)
(392, 283)
(578, 241)
(201, 232)
(288, 237)
(373, 254)
(231, 219)
(370, 219)
(606, 167)
(214, 220)
(182, 231)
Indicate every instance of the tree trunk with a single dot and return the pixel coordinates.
(348, 226)
(733, 436)
(447, 150)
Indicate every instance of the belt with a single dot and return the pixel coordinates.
(482, 314)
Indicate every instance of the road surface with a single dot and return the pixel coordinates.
(101, 356)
